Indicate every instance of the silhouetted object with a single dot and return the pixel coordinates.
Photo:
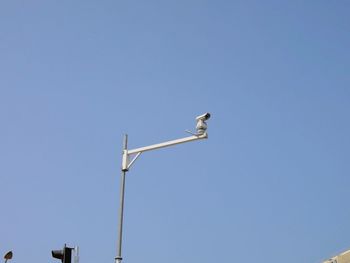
(65, 254)
(8, 256)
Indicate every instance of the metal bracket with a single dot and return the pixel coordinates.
(188, 131)
(126, 164)
(134, 159)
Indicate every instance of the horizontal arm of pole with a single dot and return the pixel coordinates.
(168, 143)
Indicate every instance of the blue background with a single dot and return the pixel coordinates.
(271, 184)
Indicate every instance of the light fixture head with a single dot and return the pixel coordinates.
(201, 126)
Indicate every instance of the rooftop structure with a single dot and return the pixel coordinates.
(341, 258)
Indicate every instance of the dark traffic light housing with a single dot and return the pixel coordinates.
(65, 254)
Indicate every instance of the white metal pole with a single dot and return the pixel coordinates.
(119, 258)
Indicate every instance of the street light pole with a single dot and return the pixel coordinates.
(119, 258)
(130, 156)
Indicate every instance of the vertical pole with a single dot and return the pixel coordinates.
(118, 258)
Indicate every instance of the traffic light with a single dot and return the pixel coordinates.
(65, 254)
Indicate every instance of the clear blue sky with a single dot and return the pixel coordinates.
(270, 185)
